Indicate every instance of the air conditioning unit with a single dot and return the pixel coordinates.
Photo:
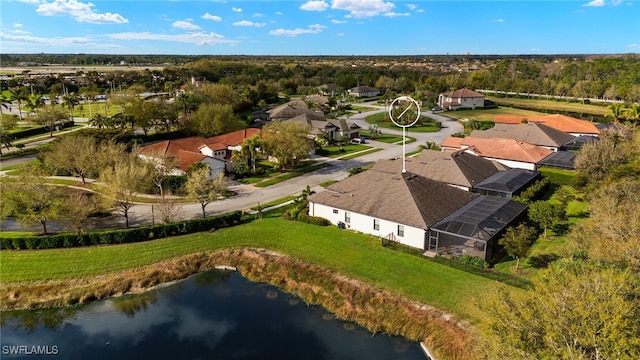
(348, 226)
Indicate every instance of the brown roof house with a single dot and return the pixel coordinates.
(567, 124)
(461, 99)
(531, 132)
(402, 207)
(363, 91)
(509, 152)
(458, 169)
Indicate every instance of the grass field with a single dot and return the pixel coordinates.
(551, 105)
(334, 151)
(354, 255)
(488, 114)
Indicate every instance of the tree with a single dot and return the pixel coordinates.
(545, 214)
(98, 120)
(615, 111)
(19, 94)
(76, 209)
(596, 159)
(374, 131)
(75, 154)
(518, 240)
(612, 231)
(122, 182)
(287, 141)
(249, 151)
(34, 102)
(633, 114)
(187, 101)
(49, 117)
(214, 119)
(576, 309)
(30, 200)
(203, 189)
(161, 166)
(4, 103)
(71, 100)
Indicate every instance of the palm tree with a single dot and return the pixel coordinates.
(34, 102)
(615, 111)
(71, 100)
(633, 114)
(472, 124)
(99, 121)
(19, 94)
(250, 148)
(3, 103)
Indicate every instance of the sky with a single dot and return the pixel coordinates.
(320, 27)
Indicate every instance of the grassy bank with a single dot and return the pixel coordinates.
(355, 255)
(349, 299)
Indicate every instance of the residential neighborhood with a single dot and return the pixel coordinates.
(296, 177)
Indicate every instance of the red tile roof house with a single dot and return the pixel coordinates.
(567, 124)
(509, 152)
(214, 151)
(461, 99)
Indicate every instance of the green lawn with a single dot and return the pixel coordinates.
(355, 255)
(334, 151)
(353, 156)
(381, 119)
(488, 114)
(291, 174)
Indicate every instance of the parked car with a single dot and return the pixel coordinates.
(358, 141)
(436, 108)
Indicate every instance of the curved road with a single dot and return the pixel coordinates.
(249, 196)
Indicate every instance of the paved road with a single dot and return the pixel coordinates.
(249, 196)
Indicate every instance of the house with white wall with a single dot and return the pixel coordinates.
(417, 212)
(461, 99)
(509, 152)
(363, 91)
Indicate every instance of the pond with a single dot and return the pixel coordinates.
(212, 315)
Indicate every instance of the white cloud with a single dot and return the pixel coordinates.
(81, 12)
(30, 1)
(393, 14)
(616, 2)
(334, 21)
(315, 5)
(311, 29)
(20, 32)
(248, 23)
(236, 9)
(363, 8)
(208, 16)
(595, 3)
(258, 15)
(199, 38)
(185, 25)
(412, 6)
(278, 12)
(498, 20)
(17, 25)
(420, 10)
(633, 46)
(53, 42)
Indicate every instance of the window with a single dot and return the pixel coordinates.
(376, 224)
(347, 217)
(335, 211)
(401, 230)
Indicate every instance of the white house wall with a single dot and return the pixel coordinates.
(414, 237)
(509, 163)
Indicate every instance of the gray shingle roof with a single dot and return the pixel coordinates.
(509, 181)
(457, 168)
(532, 133)
(407, 199)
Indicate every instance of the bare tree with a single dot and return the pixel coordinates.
(203, 189)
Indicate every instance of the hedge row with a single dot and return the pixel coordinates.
(40, 130)
(121, 236)
(534, 191)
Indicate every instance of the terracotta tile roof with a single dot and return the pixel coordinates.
(457, 168)
(506, 149)
(559, 122)
(407, 198)
(532, 133)
(463, 93)
(187, 158)
(452, 142)
(171, 147)
(234, 138)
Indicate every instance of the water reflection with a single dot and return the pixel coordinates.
(213, 315)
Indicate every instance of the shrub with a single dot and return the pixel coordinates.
(474, 261)
(317, 220)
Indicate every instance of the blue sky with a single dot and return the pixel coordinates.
(320, 27)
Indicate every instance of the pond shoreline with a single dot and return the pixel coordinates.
(351, 300)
